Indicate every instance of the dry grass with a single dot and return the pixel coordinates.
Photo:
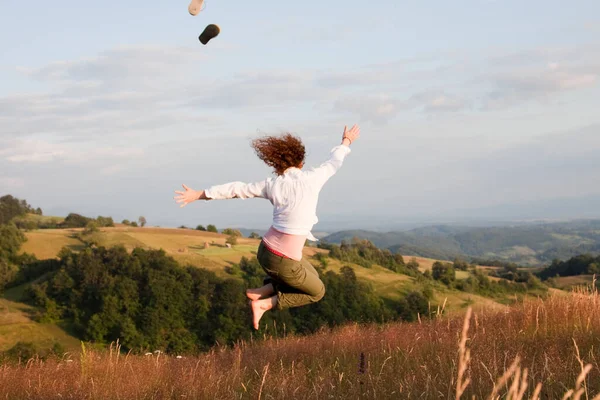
(46, 243)
(537, 349)
(568, 282)
(425, 264)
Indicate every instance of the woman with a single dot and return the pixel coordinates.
(294, 194)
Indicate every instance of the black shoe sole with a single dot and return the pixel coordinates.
(210, 32)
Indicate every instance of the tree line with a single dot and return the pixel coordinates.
(11, 207)
(583, 264)
(365, 253)
(148, 301)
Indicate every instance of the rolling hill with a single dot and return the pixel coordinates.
(187, 246)
(532, 244)
(209, 251)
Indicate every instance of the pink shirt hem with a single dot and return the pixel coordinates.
(289, 245)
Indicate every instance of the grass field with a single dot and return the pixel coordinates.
(16, 325)
(569, 282)
(533, 350)
(46, 243)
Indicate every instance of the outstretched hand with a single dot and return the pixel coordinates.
(352, 134)
(188, 196)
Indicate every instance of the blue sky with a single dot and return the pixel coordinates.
(107, 107)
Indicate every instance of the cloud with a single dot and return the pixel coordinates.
(547, 166)
(378, 108)
(8, 182)
(512, 89)
(120, 65)
(130, 91)
(255, 89)
(35, 151)
(132, 118)
(361, 77)
(124, 93)
(436, 102)
(537, 75)
(381, 108)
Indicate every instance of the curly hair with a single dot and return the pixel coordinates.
(280, 152)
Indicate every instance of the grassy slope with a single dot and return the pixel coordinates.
(46, 243)
(16, 325)
(569, 282)
(187, 247)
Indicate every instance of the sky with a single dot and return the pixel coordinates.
(106, 108)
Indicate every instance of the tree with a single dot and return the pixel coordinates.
(10, 207)
(142, 221)
(134, 224)
(212, 228)
(125, 222)
(232, 240)
(8, 272)
(91, 227)
(399, 259)
(460, 264)
(413, 264)
(105, 221)
(200, 228)
(74, 220)
(443, 272)
(234, 232)
(25, 224)
(11, 239)
(254, 235)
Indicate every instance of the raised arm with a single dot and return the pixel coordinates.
(323, 172)
(232, 190)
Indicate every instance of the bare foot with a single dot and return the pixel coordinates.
(253, 294)
(195, 7)
(257, 294)
(259, 307)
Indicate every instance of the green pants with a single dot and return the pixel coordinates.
(296, 283)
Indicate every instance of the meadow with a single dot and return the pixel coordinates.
(537, 349)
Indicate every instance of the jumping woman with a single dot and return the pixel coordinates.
(294, 194)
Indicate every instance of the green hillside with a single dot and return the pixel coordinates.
(186, 246)
(17, 324)
(533, 244)
(21, 321)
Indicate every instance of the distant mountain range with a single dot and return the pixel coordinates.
(530, 244)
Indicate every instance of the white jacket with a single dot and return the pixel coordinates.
(294, 194)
